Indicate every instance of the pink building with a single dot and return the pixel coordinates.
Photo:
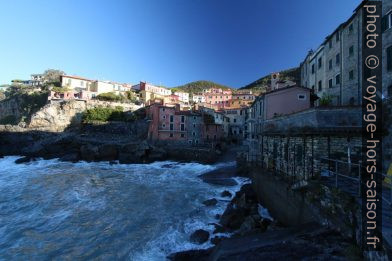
(181, 127)
(286, 101)
(217, 97)
(213, 132)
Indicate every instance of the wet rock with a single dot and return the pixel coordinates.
(210, 202)
(88, 152)
(232, 218)
(217, 239)
(128, 158)
(248, 225)
(191, 255)
(72, 157)
(220, 181)
(226, 194)
(113, 162)
(24, 160)
(217, 216)
(199, 236)
(107, 152)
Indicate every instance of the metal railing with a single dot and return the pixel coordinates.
(352, 172)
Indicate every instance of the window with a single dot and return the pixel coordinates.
(164, 116)
(351, 75)
(234, 120)
(386, 22)
(171, 118)
(312, 68)
(390, 91)
(163, 109)
(330, 64)
(182, 118)
(313, 87)
(351, 50)
(330, 44)
(182, 135)
(163, 125)
(330, 83)
(338, 59)
(301, 97)
(337, 37)
(337, 79)
(351, 28)
(171, 135)
(389, 58)
(194, 125)
(171, 126)
(320, 62)
(182, 127)
(320, 86)
(193, 134)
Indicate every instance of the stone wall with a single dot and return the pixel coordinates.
(304, 157)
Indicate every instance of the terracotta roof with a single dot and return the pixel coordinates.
(76, 77)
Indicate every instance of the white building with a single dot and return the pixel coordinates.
(198, 98)
(182, 96)
(76, 83)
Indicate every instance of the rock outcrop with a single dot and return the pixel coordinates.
(58, 116)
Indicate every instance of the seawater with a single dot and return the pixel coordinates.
(59, 210)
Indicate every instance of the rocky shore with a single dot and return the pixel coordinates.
(255, 236)
(104, 144)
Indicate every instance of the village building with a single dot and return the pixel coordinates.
(183, 97)
(149, 92)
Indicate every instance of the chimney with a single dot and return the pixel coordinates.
(274, 81)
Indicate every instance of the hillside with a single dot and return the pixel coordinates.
(198, 87)
(292, 74)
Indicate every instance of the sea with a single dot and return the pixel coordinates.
(60, 210)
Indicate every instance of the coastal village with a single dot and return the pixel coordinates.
(299, 128)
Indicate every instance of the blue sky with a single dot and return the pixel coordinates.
(168, 42)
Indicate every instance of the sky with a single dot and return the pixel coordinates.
(165, 42)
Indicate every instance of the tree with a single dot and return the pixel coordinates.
(52, 76)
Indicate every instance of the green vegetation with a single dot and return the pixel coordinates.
(199, 86)
(110, 96)
(105, 114)
(10, 119)
(326, 100)
(261, 84)
(60, 89)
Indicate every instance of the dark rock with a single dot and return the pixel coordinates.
(217, 239)
(128, 158)
(219, 229)
(113, 162)
(210, 202)
(226, 194)
(217, 216)
(88, 152)
(220, 181)
(24, 160)
(191, 255)
(199, 236)
(73, 157)
(107, 152)
(248, 225)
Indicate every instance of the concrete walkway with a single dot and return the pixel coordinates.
(351, 187)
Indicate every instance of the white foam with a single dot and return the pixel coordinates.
(264, 213)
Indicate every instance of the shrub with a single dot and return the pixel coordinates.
(10, 119)
(109, 96)
(104, 114)
(326, 100)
